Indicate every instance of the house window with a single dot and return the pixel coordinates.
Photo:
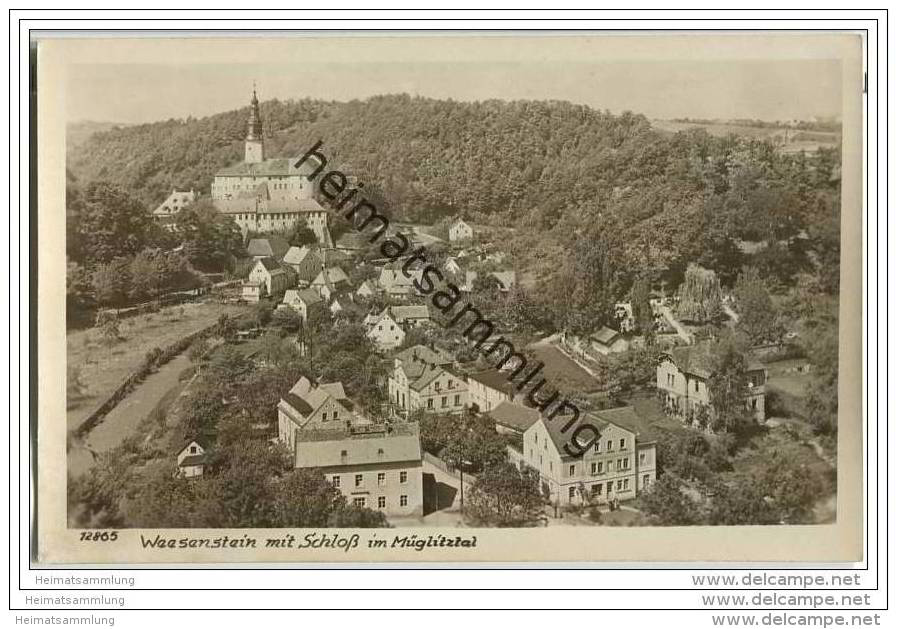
(597, 446)
(430, 403)
(403, 477)
(596, 489)
(457, 400)
(571, 471)
(334, 480)
(610, 445)
(444, 401)
(571, 493)
(403, 500)
(381, 502)
(622, 444)
(192, 449)
(550, 466)
(619, 485)
(359, 480)
(335, 414)
(324, 416)
(646, 480)
(381, 478)
(344, 454)
(359, 501)
(641, 458)
(696, 386)
(626, 483)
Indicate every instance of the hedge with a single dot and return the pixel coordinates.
(153, 359)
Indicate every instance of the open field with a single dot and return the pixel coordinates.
(563, 372)
(102, 367)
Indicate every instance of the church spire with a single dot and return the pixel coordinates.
(254, 128)
(255, 143)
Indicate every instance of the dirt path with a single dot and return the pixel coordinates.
(673, 321)
(124, 419)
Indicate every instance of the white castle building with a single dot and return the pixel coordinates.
(268, 195)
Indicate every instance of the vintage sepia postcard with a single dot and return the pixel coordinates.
(546, 297)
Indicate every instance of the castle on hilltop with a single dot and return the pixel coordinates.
(268, 195)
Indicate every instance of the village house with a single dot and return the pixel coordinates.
(487, 389)
(258, 248)
(453, 265)
(605, 341)
(309, 405)
(366, 290)
(513, 418)
(384, 331)
(339, 304)
(683, 374)
(306, 302)
(331, 281)
(504, 281)
(460, 230)
(305, 262)
(396, 284)
(175, 202)
(623, 314)
(423, 378)
(352, 243)
(410, 316)
(267, 278)
(617, 467)
(268, 195)
(192, 459)
(378, 466)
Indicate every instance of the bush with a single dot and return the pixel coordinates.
(595, 514)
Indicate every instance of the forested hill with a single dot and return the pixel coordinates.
(429, 156)
(545, 165)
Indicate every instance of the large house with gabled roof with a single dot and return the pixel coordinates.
(424, 378)
(377, 466)
(617, 466)
(374, 465)
(266, 278)
(683, 378)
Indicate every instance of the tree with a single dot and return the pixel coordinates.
(792, 487)
(263, 311)
(758, 317)
(304, 498)
(822, 392)
(108, 324)
(111, 281)
(505, 496)
(667, 504)
(739, 503)
(302, 236)
(727, 386)
(700, 299)
(106, 223)
(596, 282)
(211, 240)
(642, 312)
(198, 350)
(79, 297)
(288, 319)
(240, 489)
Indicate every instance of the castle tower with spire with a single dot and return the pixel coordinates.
(269, 195)
(255, 141)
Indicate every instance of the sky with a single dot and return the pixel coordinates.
(708, 87)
